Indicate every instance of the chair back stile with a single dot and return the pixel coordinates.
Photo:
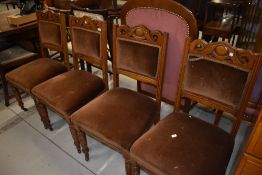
(230, 88)
(89, 43)
(138, 44)
(52, 34)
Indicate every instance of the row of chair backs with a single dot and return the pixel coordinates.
(139, 54)
(178, 21)
(219, 76)
(52, 34)
(144, 51)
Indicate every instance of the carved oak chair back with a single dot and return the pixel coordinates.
(139, 54)
(179, 23)
(89, 43)
(106, 9)
(52, 34)
(219, 76)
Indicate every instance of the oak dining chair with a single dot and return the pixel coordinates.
(119, 116)
(215, 75)
(52, 35)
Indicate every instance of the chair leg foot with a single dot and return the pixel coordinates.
(135, 169)
(42, 110)
(128, 166)
(82, 139)
(75, 137)
(18, 98)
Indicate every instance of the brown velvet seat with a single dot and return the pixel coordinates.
(216, 75)
(52, 36)
(119, 116)
(29, 75)
(134, 109)
(67, 92)
(195, 148)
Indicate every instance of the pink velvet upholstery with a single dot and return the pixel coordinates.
(166, 21)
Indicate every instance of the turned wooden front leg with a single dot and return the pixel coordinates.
(42, 110)
(18, 98)
(128, 166)
(75, 137)
(83, 142)
(135, 169)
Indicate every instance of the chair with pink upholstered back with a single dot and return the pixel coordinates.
(170, 17)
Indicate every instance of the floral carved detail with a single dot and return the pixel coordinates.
(140, 33)
(48, 16)
(223, 52)
(86, 22)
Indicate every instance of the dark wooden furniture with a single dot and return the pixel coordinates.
(250, 37)
(197, 7)
(9, 2)
(251, 162)
(67, 92)
(183, 144)
(59, 4)
(52, 34)
(25, 35)
(11, 53)
(250, 34)
(222, 18)
(179, 23)
(119, 116)
(11, 58)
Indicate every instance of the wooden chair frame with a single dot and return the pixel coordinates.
(90, 25)
(140, 34)
(238, 58)
(57, 20)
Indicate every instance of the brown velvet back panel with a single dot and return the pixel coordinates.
(49, 33)
(214, 80)
(136, 57)
(86, 42)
